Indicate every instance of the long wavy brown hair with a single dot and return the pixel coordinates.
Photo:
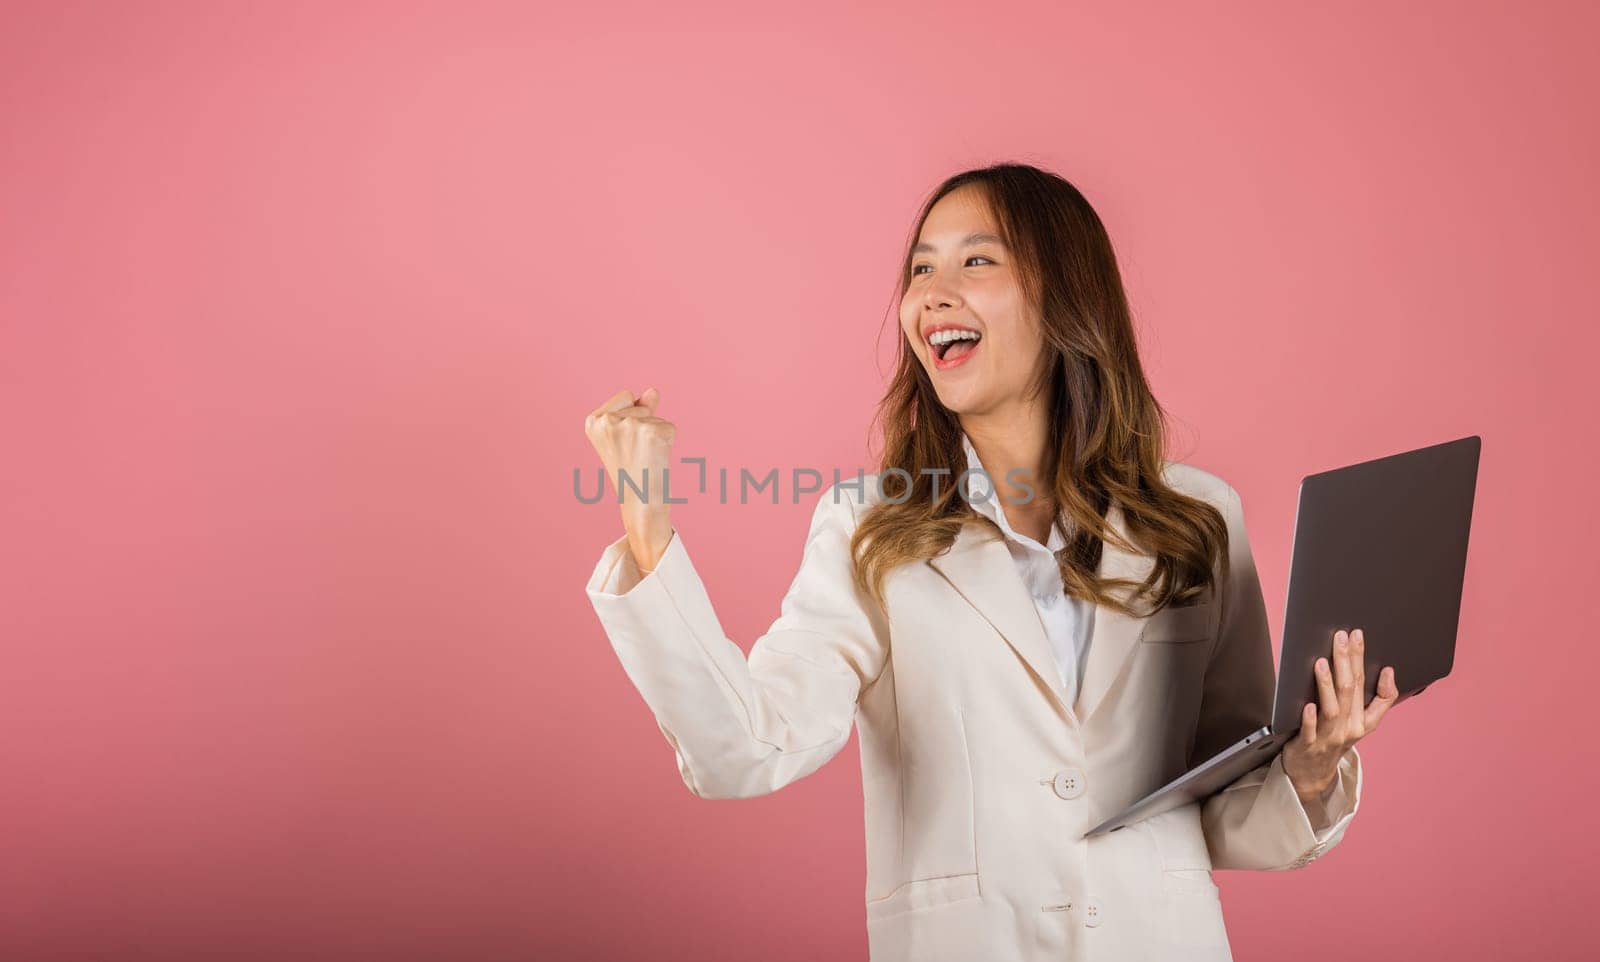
(1107, 431)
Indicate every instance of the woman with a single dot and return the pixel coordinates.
(1032, 618)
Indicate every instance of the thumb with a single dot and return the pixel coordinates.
(650, 398)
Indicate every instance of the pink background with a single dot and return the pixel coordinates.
(302, 312)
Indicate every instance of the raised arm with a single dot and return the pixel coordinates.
(741, 726)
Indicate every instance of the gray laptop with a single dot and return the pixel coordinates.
(1381, 546)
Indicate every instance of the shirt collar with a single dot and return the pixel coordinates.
(986, 501)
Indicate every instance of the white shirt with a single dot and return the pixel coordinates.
(1068, 622)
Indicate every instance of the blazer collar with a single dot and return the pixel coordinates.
(979, 566)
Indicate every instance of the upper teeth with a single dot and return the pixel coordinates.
(952, 334)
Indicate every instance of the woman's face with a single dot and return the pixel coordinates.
(964, 284)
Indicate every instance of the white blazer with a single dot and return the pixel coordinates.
(979, 779)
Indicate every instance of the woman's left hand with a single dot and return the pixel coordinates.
(1311, 759)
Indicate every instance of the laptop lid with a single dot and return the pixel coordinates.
(1381, 546)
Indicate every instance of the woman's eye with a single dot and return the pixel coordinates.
(975, 257)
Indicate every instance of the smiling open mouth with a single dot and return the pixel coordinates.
(952, 346)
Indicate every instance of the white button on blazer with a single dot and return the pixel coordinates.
(980, 771)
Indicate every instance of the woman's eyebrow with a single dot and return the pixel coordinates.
(967, 241)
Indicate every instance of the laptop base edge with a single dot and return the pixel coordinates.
(1258, 748)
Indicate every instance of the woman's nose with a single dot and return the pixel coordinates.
(940, 296)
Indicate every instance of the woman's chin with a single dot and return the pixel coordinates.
(958, 399)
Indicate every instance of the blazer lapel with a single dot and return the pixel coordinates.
(1115, 635)
(979, 566)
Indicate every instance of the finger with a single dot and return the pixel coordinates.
(1327, 698)
(616, 402)
(667, 430)
(650, 398)
(1388, 694)
(1341, 672)
(621, 399)
(1358, 673)
(631, 412)
(1308, 724)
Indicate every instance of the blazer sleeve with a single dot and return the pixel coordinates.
(743, 727)
(1258, 822)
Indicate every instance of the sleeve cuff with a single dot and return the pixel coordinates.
(617, 573)
(1322, 822)
(1328, 807)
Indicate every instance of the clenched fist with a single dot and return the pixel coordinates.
(630, 439)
